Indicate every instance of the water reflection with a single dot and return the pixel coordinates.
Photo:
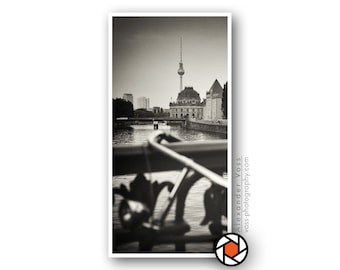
(141, 133)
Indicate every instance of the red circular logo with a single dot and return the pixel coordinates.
(231, 249)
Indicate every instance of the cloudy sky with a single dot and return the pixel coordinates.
(146, 56)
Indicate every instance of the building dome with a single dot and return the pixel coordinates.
(188, 95)
(188, 105)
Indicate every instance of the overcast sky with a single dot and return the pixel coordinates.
(146, 55)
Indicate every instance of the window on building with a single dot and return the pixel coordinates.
(193, 115)
(181, 115)
(176, 115)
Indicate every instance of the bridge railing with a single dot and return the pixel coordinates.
(131, 159)
(136, 210)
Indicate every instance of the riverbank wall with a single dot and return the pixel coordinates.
(217, 127)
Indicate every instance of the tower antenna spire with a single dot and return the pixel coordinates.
(180, 71)
(181, 49)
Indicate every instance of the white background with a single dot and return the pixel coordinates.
(53, 140)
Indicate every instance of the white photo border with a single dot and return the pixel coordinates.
(111, 15)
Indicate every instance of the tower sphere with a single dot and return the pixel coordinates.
(181, 69)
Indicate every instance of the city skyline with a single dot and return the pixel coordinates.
(136, 102)
(146, 56)
(142, 103)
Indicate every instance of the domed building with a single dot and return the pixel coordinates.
(188, 105)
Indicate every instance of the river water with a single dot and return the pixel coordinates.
(194, 207)
(140, 133)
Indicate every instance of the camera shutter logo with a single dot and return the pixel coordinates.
(231, 249)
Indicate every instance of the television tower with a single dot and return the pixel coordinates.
(180, 71)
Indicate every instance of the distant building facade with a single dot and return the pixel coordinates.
(160, 112)
(157, 110)
(166, 112)
(213, 108)
(188, 104)
(128, 97)
(143, 103)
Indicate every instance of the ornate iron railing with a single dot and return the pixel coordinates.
(136, 210)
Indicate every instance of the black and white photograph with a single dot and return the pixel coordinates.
(169, 134)
(170, 126)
